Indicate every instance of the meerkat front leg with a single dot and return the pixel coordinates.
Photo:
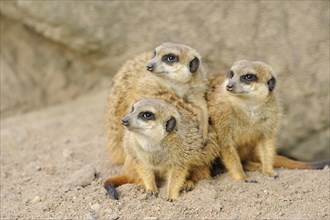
(204, 126)
(148, 178)
(266, 152)
(176, 181)
(232, 161)
(252, 166)
(189, 185)
(201, 103)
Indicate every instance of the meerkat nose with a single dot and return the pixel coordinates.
(229, 87)
(125, 121)
(150, 67)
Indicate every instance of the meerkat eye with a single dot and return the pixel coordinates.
(170, 58)
(147, 116)
(249, 77)
(230, 74)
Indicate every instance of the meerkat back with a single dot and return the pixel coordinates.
(125, 89)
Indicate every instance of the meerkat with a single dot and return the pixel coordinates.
(172, 67)
(162, 140)
(244, 111)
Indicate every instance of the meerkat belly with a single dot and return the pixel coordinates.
(156, 160)
(246, 139)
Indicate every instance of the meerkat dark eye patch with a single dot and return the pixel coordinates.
(271, 84)
(170, 124)
(147, 116)
(154, 54)
(230, 74)
(193, 65)
(249, 77)
(170, 58)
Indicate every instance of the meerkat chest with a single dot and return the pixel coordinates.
(181, 89)
(245, 134)
(152, 154)
(249, 126)
(251, 112)
(158, 160)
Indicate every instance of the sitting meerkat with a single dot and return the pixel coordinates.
(163, 141)
(172, 67)
(244, 112)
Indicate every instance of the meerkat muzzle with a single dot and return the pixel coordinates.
(125, 122)
(150, 67)
(230, 87)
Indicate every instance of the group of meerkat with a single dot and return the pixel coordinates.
(169, 120)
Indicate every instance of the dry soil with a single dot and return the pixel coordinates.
(54, 163)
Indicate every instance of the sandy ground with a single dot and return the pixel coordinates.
(54, 163)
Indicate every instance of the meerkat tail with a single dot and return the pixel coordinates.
(115, 181)
(320, 164)
(284, 162)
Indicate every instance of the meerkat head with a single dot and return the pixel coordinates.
(174, 61)
(152, 118)
(253, 79)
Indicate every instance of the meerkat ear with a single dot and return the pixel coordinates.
(271, 84)
(193, 65)
(170, 124)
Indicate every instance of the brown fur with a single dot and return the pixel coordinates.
(177, 156)
(134, 81)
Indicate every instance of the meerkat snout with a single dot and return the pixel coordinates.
(150, 67)
(230, 86)
(125, 121)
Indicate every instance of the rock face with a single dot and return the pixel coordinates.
(36, 72)
(54, 52)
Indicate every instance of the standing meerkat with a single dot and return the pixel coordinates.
(245, 112)
(172, 67)
(162, 140)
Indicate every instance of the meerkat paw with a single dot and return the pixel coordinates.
(204, 133)
(141, 187)
(252, 166)
(271, 174)
(239, 176)
(205, 141)
(251, 181)
(188, 186)
(171, 199)
(172, 196)
(152, 193)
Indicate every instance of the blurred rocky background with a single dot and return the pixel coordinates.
(55, 51)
